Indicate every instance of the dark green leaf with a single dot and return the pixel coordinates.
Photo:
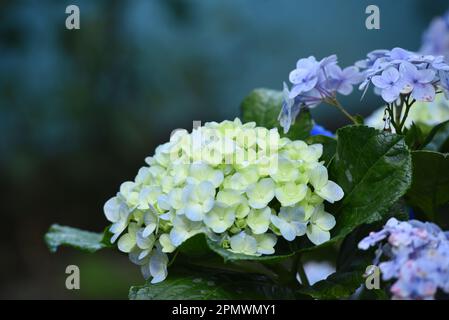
(329, 146)
(438, 137)
(209, 285)
(415, 137)
(337, 286)
(263, 107)
(66, 236)
(374, 170)
(373, 294)
(350, 258)
(199, 245)
(430, 186)
(231, 256)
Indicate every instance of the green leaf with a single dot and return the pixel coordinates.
(430, 186)
(209, 285)
(329, 147)
(338, 285)
(231, 256)
(263, 107)
(438, 138)
(374, 170)
(200, 245)
(71, 237)
(415, 137)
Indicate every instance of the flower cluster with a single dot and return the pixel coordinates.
(418, 258)
(240, 185)
(404, 72)
(313, 82)
(436, 38)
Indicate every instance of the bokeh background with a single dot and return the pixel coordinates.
(81, 109)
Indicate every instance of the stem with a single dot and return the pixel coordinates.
(334, 102)
(391, 114)
(407, 109)
(398, 109)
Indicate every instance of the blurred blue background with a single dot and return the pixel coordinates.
(80, 109)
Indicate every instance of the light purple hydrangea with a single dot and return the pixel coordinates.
(390, 83)
(315, 81)
(400, 71)
(417, 258)
(418, 81)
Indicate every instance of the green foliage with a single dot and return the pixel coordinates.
(209, 285)
(430, 186)
(438, 138)
(415, 137)
(263, 107)
(79, 239)
(336, 286)
(200, 246)
(374, 170)
(231, 256)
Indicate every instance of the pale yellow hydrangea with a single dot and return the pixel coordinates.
(242, 186)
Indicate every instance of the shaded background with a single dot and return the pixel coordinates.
(81, 109)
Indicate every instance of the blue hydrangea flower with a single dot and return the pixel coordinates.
(417, 258)
(304, 77)
(290, 110)
(419, 81)
(342, 81)
(390, 82)
(319, 130)
(315, 81)
(400, 71)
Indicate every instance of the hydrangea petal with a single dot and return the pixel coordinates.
(331, 192)
(317, 235)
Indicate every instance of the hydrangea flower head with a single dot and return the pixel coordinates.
(313, 82)
(400, 71)
(417, 256)
(242, 186)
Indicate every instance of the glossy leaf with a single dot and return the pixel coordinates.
(200, 244)
(209, 285)
(71, 237)
(374, 170)
(415, 137)
(336, 286)
(263, 107)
